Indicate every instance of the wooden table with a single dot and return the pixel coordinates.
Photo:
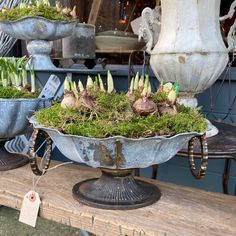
(180, 211)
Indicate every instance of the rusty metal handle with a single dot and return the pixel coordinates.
(32, 153)
(200, 173)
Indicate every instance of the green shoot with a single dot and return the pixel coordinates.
(32, 79)
(101, 85)
(66, 85)
(89, 84)
(110, 83)
(136, 80)
(80, 86)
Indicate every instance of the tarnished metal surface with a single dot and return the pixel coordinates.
(201, 172)
(39, 32)
(30, 28)
(117, 152)
(32, 153)
(14, 114)
(81, 45)
(116, 191)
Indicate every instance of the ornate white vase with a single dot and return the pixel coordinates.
(190, 49)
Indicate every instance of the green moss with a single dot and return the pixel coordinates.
(159, 97)
(114, 116)
(10, 92)
(42, 10)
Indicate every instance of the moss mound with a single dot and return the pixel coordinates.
(11, 92)
(42, 10)
(113, 116)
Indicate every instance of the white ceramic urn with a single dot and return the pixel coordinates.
(190, 49)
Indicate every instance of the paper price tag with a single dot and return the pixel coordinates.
(30, 208)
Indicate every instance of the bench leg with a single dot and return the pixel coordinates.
(225, 178)
(137, 172)
(154, 171)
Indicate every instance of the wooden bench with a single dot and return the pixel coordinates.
(180, 211)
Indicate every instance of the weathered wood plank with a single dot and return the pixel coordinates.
(180, 211)
(94, 11)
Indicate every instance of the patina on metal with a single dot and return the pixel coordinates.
(13, 122)
(15, 112)
(201, 172)
(38, 31)
(81, 44)
(116, 157)
(116, 190)
(32, 153)
(134, 153)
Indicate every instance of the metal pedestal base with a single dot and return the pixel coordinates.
(40, 51)
(116, 190)
(9, 161)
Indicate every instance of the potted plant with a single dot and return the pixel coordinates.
(39, 24)
(118, 132)
(17, 102)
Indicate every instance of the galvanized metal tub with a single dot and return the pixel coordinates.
(116, 157)
(15, 113)
(117, 152)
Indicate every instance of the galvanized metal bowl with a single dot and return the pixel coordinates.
(15, 113)
(35, 27)
(39, 32)
(117, 152)
(116, 157)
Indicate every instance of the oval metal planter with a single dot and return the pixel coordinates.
(116, 157)
(117, 152)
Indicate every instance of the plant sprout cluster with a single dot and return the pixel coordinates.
(40, 8)
(13, 78)
(96, 110)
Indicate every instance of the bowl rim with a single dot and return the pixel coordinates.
(40, 18)
(25, 99)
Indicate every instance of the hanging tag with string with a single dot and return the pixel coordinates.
(31, 203)
(30, 208)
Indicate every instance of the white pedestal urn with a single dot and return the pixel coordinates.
(190, 49)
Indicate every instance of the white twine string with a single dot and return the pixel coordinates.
(35, 182)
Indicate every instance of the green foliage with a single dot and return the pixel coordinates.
(11, 92)
(113, 116)
(159, 97)
(43, 10)
(13, 78)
